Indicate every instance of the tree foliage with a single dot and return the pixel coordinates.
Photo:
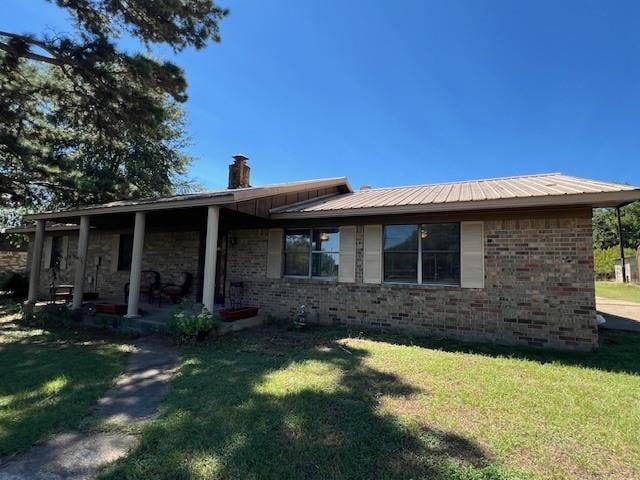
(82, 121)
(605, 227)
(604, 260)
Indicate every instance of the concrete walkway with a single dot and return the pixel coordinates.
(133, 399)
(619, 314)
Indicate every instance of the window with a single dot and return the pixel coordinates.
(125, 252)
(325, 253)
(427, 253)
(297, 245)
(440, 253)
(312, 253)
(401, 253)
(56, 252)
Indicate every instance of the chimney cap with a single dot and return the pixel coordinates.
(240, 157)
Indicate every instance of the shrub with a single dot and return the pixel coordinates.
(604, 260)
(188, 327)
(15, 283)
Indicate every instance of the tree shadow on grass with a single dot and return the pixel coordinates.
(257, 407)
(48, 383)
(619, 352)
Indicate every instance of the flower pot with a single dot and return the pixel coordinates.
(232, 314)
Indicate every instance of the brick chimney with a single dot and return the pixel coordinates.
(239, 172)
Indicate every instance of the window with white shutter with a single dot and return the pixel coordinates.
(472, 254)
(347, 272)
(372, 254)
(274, 253)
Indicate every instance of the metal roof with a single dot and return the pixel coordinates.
(214, 197)
(508, 192)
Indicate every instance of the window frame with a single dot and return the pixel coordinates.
(419, 274)
(432, 251)
(411, 252)
(120, 256)
(310, 253)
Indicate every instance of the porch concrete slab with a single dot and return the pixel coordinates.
(619, 314)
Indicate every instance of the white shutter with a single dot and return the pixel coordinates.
(372, 253)
(46, 251)
(115, 251)
(472, 255)
(274, 253)
(64, 253)
(347, 268)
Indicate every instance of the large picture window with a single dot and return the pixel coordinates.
(426, 253)
(312, 252)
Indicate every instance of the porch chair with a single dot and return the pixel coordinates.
(176, 291)
(149, 285)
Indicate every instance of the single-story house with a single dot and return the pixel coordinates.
(505, 260)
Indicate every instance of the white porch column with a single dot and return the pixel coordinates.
(210, 257)
(36, 263)
(136, 265)
(81, 262)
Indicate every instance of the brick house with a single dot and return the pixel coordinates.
(501, 260)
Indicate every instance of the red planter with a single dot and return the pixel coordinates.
(112, 308)
(232, 314)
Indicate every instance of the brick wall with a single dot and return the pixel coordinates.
(539, 289)
(168, 253)
(13, 262)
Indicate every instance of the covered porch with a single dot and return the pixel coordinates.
(139, 258)
(137, 263)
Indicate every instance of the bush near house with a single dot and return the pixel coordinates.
(188, 327)
(604, 260)
(15, 284)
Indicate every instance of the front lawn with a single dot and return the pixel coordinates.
(618, 291)
(324, 405)
(48, 381)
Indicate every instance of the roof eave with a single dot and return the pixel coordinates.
(594, 200)
(142, 207)
(54, 228)
(221, 199)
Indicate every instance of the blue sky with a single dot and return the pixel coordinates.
(408, 92)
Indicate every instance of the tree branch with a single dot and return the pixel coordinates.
(30, 55)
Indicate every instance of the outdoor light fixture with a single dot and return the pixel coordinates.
(424, 233)
(324, 236)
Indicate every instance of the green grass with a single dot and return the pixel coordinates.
(618, 291)
(48, 381)
(322, 405)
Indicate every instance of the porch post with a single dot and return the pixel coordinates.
(136, 265)
(210, 257)
(81, 262)
(36, 263)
